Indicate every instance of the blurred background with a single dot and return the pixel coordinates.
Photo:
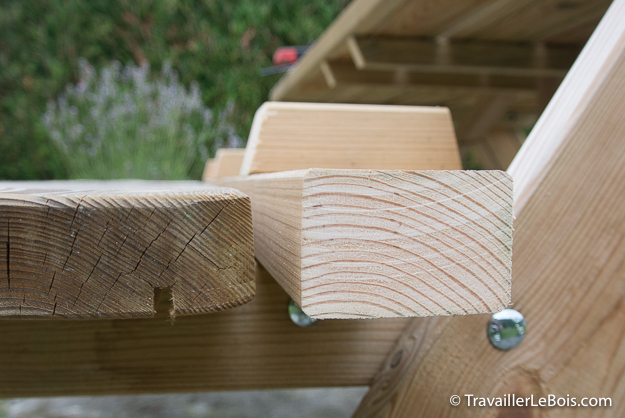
(187, 72)
(146, 89)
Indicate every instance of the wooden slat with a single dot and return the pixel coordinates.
(255, 346)
(100, 249)
(291, 136)
(371, 244)
(569, 273)
(209, 169)
(521, 20)
(464, 57)
(227, 162)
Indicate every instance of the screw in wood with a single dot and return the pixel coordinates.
(506, 329)
(298, 316)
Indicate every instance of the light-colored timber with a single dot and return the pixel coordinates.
(372, 244)
(82, 249)
(227, 162)
(293, 136)
(209, 169)
(569, 274)
(255, 346)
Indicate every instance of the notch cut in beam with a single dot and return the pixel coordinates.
(462, 57)
(84, 249)
(373, 244)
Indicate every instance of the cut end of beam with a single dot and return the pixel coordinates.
(375, 244)
(394, 243)
(80, 249)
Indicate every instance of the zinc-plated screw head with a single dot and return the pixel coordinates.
(298, 316)
(506, 329)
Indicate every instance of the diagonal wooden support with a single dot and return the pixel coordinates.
(569, 274)
(80, 249)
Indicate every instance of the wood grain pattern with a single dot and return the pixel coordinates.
(293, 136)
(372, 244)
(569, 274)
(227, 162)
(100, 249)
(255, 346)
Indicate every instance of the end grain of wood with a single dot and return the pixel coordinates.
(372, 244)
(100, 249)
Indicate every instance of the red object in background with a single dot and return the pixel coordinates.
(285, 55)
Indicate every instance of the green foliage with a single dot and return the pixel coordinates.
(219, 43)
(127, 123)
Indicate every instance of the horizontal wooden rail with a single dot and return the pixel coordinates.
(255, 346)
(371, 244)
(462, 57)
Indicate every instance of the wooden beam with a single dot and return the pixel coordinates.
(569, 273)
(81, 249)
(463, 57)
(291, 136)
(473, 82)
(477, 19)
(209, 169)
(255, 346)
(373, 244)
(227, 163)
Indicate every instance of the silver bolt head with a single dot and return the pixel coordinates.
(298, 316)
(506, 329)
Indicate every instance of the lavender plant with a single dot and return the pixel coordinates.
(125, 123)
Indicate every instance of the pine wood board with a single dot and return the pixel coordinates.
(374, 244)
(227, 163)
(82, 249)
(255, 346)
(292, 136)
(569, 274)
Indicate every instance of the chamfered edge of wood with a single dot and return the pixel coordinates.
(103, 249)
(469, 245)
(443, 152)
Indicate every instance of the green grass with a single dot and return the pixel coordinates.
(221, 44)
